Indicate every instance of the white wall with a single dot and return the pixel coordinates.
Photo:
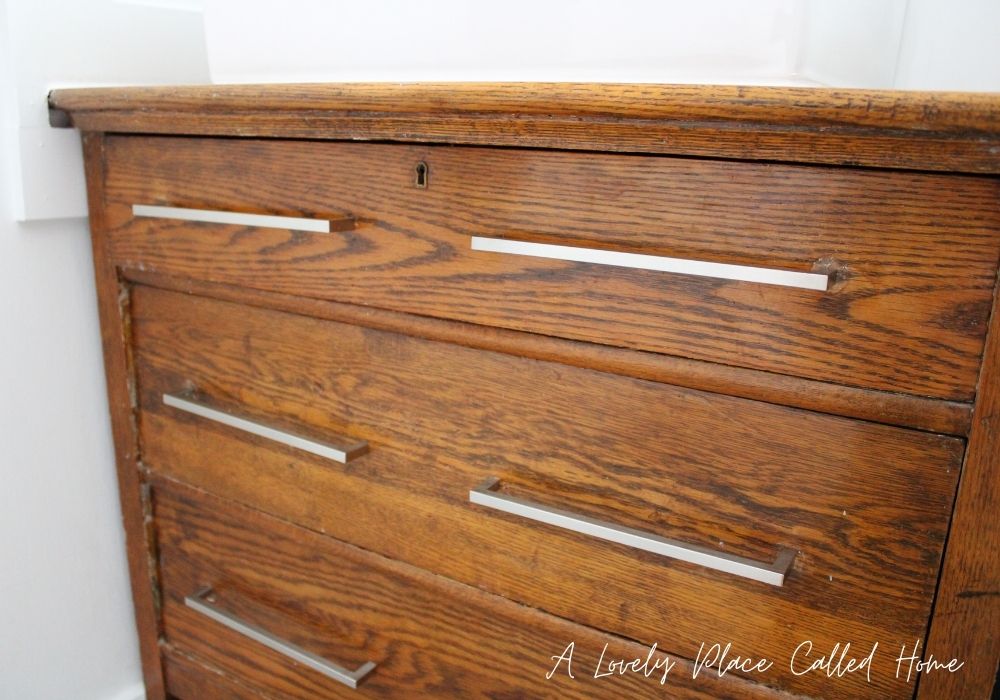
(530, 40)
(66, 629)
(911, 44)
(950, 46)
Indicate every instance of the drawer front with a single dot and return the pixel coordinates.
(912, 257)
(415, 634)
(187, 679)
(863, 506)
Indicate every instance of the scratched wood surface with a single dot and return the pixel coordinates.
(915, 254)
(865, 505)
(428, 636)
(906, 410)
(966, 623)
(188, 678)
(112, 307)
(928, 245)
(921, 130)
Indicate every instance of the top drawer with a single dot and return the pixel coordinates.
(912, 257)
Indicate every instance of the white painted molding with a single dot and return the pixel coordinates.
(65, 43)
(133, 692)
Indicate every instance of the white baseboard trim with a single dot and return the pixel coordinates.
(136, 691)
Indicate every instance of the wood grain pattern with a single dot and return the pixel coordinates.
(906, 410)
(188, 678)
(899, 340)
(693, 466)
(917, 253)
(921, 130)
(428, 636)
(112, 306)
(966, 623)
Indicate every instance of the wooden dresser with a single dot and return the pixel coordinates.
(451, 390)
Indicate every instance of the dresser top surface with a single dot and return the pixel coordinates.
(896, 129)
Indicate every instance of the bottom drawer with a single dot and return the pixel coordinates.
(187, 678)
(279, 591)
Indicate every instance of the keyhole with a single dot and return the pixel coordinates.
(420, 176)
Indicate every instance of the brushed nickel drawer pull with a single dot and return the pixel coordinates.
(213, 216)
(773, 573)
(743, 273)
(199, 603)
(342, 454)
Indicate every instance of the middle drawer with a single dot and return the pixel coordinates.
(864, 507)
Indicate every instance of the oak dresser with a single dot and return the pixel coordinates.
(552, 390)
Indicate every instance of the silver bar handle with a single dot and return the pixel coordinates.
(199, 603)
(773, 573)
(338, 453)
(218, 216)
(743, 273)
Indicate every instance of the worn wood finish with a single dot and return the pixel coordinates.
(190, 679)
(921, 130)
(916, 254)
(900, 340)
(967, 611)
(112, 306)
(428, 636)
(932, 415)
(856, 499)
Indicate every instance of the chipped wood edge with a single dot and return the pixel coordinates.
(113, 309)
